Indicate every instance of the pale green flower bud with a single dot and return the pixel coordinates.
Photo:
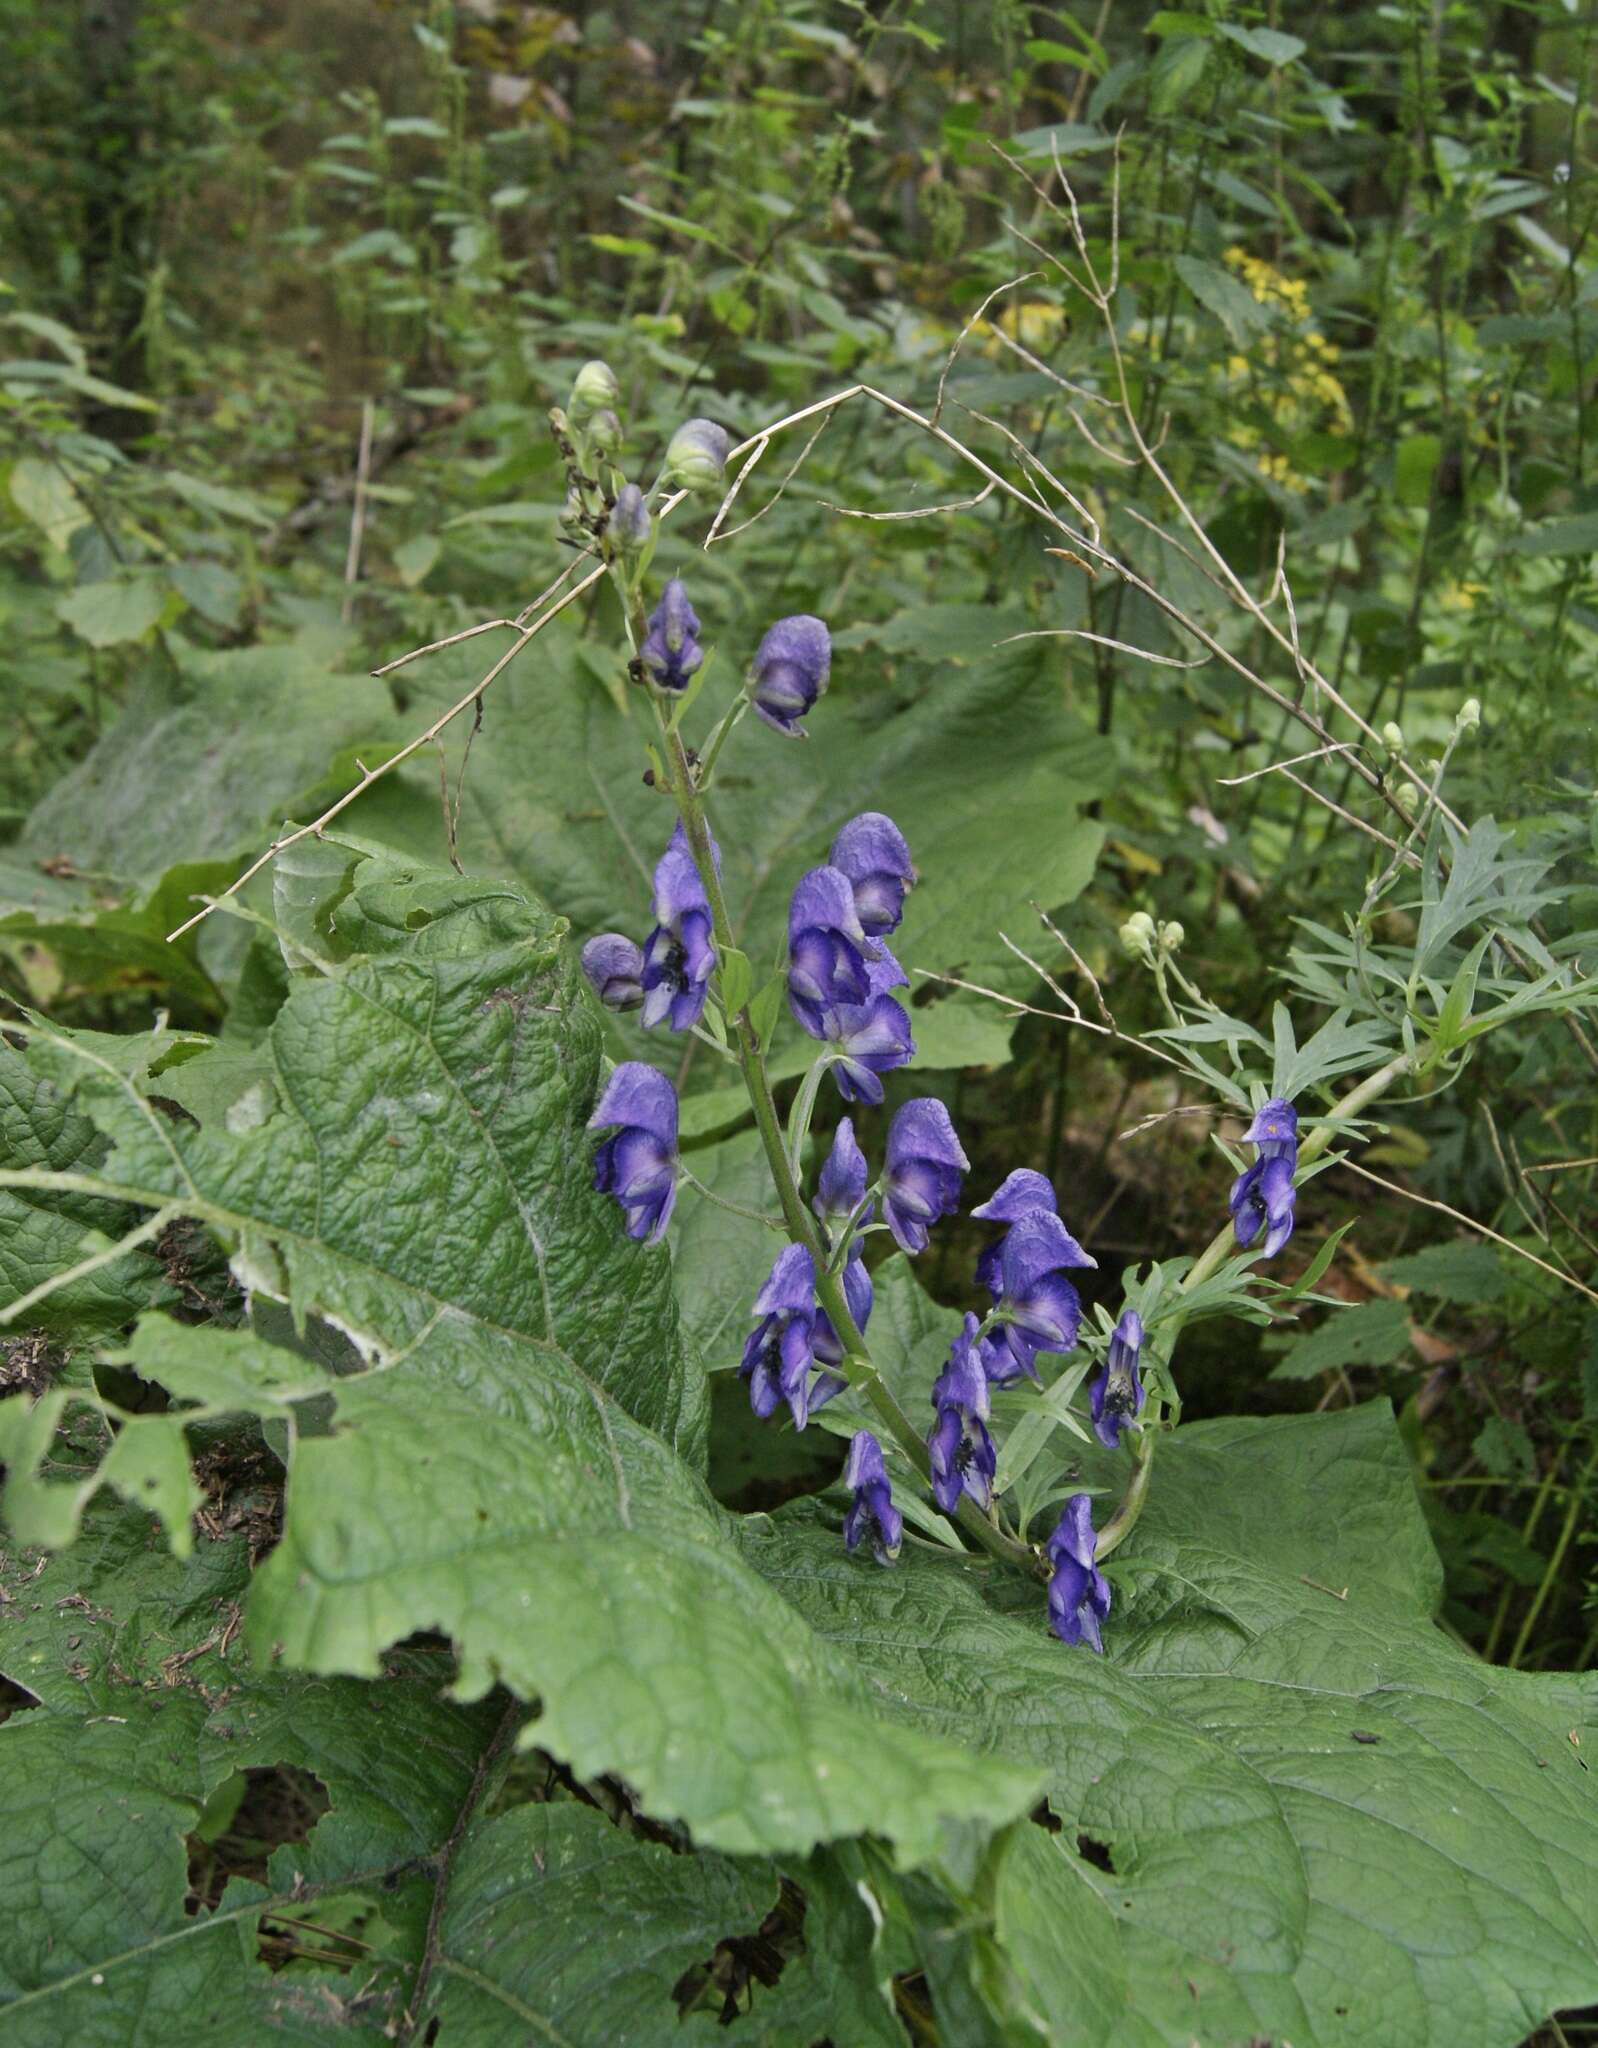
(1469, 715)
(595, 390)
(1407, 795)
(697, 454)
(1137, 936)
(604, 432)
(1393, 737)
(1171, 936)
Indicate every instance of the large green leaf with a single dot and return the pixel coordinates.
(148, 1706)
(1291, 1807)
(560, 1928)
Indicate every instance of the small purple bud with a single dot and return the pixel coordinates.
(872, 1507)
(615, 969)
(630, 524)
(1115, 1395)
(1079, 1593)
(790, 671)
(670, 652)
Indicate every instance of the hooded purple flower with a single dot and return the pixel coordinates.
(1263, 1195)
(615, 968)
(1079, 1593)
(873, 1037)
(790, 671)
(871, 851)
(1041, 1307)
(1022, 1193)
(959, 1446)
(639, 1165)
(679, 955)
(670, 653)
(779, 1355)
(1115, 1395)
(921, 1179)
(873, 1506)
(828, 951)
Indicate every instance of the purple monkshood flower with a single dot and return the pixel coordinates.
(960, 1449)
(679, 954)
(828, 951)
(1263, 1194)
(671, 653)
(790, 671)
(872, 1037)
(921, 1179)
(639, 1165)
(1041, 1307)
(780, 1353)
(1079, 1593)
(871, 851)
(615, 970)
(1022, 1193)
(873, 1506)
(1115, 1395)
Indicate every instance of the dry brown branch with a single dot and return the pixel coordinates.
(997, 292)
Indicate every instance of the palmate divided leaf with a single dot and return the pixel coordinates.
(516, 1470)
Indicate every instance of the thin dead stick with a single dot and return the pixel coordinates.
(1470, 1223)
(920, 512)
(1275, 767)
(449, 640)
(371, 775)
(1121, 647)
(1348, 818)
(997, 292)
(794, 468)
(363, 470)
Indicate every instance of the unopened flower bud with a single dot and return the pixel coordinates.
(1171, 936)
(1469, 716)
(1393, 737)
(630, 524)
(671, 652)
(1137, 936)
(1407, 796)
(697, 454)
(604, 432)
(595, 391)
(790, 671)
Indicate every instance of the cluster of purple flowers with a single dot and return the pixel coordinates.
(840, 976)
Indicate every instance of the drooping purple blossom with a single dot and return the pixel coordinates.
(790, 671)
(614, 966)
(871, 851)
(1079, 1593)
(1263, 1195)
(639, 1164)
(671, 653)
(779, 1355)
(923, 1170)
(1022, 1193)
(959, 1447)
(1115, 1394)
(840, 1191)
(679, 955)
(828, 951)
(873, 1037)
(872, 1508)
(1042, 1309)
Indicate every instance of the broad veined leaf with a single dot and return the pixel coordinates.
(1291, 1807)
(148, 1706)
(562, 1928)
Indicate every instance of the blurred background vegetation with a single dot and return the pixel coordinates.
(1359, 299)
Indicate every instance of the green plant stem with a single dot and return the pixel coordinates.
(857, 1361)
(1567, 1530)
(1215, 1253)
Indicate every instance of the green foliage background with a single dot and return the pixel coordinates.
(584, 1728)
